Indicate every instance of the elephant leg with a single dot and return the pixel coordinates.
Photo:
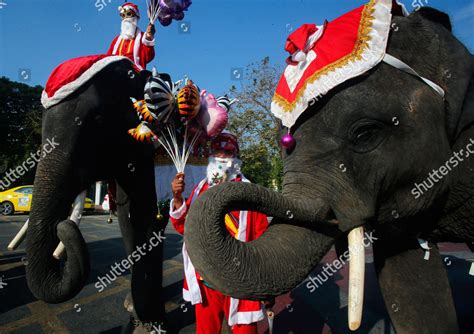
(143, 237)
(416, 291)
(123, 210)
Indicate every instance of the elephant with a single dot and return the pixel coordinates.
(353, 126)
(90, 130)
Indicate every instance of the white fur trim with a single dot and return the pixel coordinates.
(194, 292)
(136, 48)
(117, 44)
(178, 213)
(298, 56)
(314, 37)
(372, 56)
(147, 42)
(198, 190)
(186, 295)
(71, 87)
(242, 232)
(294, 73)
(241, 318)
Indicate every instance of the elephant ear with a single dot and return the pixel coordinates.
(454, 65)
(434, 15)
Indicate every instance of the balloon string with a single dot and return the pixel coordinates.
(184, 144)
(175, 146)
(193, 142)
(153, 10)
(179, 157)
(169, 149)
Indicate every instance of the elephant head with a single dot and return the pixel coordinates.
(360, 152)
(90, 130)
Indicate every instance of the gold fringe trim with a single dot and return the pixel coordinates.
(356, 54)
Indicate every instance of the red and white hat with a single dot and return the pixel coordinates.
(225, 141)
(323, 57)
(129, 6)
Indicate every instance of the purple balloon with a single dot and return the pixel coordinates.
(178, 16)
(172, 9)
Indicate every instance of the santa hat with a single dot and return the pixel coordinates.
(300, 41)
(225, 141)
(323, 57)
(129, 6)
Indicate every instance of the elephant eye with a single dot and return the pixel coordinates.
(366, 135)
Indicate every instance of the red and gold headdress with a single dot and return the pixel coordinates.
(323, 57)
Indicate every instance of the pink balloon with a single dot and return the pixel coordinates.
(212, 117)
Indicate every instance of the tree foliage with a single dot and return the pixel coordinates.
(20, 125)
(255, 126)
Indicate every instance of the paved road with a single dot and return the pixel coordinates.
(323, 311)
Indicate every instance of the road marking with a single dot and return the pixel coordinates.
(48, 317)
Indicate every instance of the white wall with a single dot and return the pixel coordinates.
(164, 174)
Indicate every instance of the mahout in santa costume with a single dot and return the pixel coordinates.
(210, 304)
(132, 42)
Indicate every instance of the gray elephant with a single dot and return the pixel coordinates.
(383, 160)
(90, 128)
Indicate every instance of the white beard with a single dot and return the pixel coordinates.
(222, 170)
(129, 28)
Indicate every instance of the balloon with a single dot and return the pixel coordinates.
(172, 10)
(142, 133)
(189, 100)
(225, 102)
(159, 96)
(212, 116)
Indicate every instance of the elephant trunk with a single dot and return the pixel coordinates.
(272, 264)
(53, 194)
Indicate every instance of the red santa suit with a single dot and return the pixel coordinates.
(140, 50)
(241, 315)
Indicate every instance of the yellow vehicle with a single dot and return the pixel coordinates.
(19, 200)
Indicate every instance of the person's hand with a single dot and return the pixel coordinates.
(177, 187)
(150, 31)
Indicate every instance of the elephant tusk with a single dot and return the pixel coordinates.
(19, 237)
(76, 216)
(356, 277)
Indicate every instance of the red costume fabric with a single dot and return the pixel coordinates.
(67, 77)
(212, 305)
(139, 50)
(331, 54)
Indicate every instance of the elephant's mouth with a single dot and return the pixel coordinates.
(277, 261)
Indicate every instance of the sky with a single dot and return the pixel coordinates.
(212, 45)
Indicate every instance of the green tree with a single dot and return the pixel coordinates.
(254, 124)
(20, 126)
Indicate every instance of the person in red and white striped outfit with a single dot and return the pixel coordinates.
(211, 305)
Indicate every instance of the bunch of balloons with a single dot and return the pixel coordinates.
(181, 119)
(166, 11)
